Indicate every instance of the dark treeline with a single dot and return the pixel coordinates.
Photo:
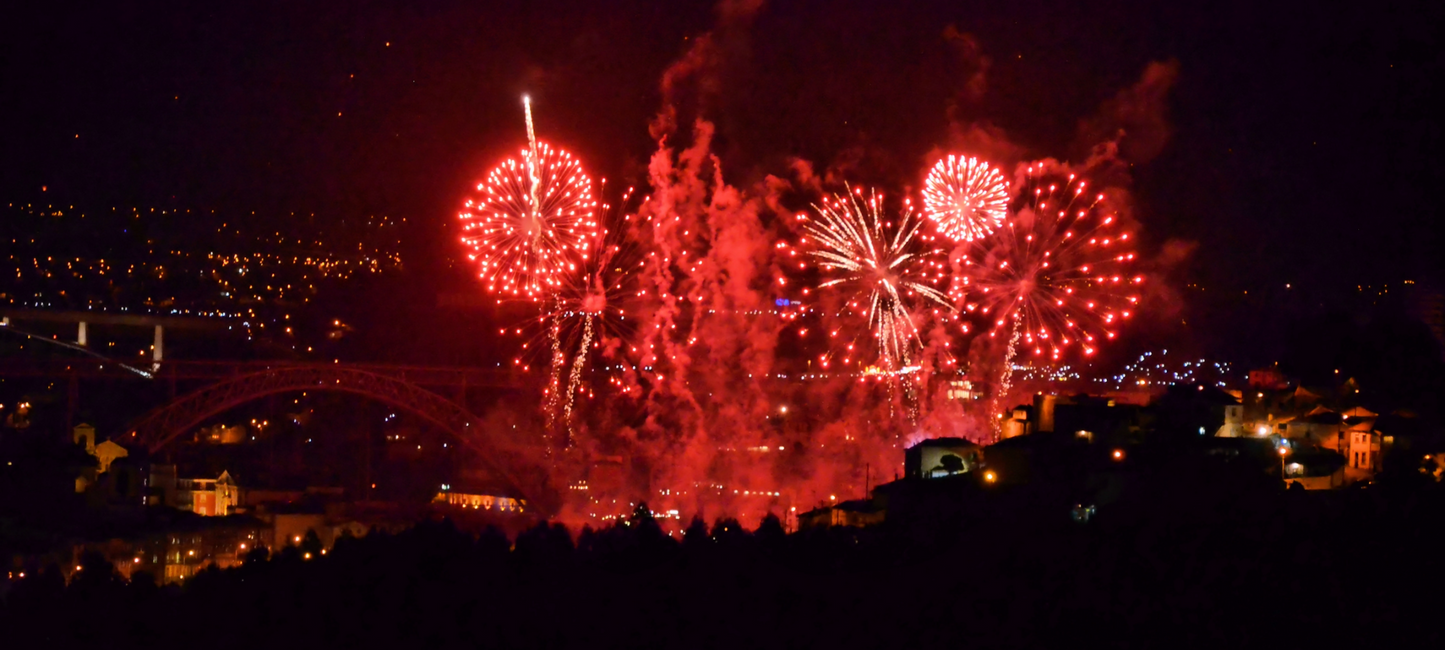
(1260, 569)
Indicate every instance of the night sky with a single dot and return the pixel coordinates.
(1294, 145)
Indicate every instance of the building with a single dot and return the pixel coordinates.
(1108, 419)
(105, 453)
(1363, 447)
(221, 434)
(83, 434)
(963, 390)
(108, 452)
(208, 497)
(1019, 421)
(476, 498)
(1320, 426)
(931, 458)
(1314, 469)
(176, 548)
(1233, 426)
(1267, 379)
(1195, 410)
(856, 514)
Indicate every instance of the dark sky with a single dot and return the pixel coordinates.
(1304, 144)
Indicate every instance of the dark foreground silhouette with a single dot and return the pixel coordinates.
(1355, 568)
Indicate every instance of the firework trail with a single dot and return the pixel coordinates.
(575, 380)
(1005, 378)
(1056, 275)
(849, 236)
(558, 361)
(591, 307)
(966, 197)
(531, 222)
(600, 302)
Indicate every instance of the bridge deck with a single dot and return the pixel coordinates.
(213, 370)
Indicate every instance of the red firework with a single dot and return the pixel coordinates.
(1056, 275)
(531, 222)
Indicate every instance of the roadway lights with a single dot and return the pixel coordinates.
(990, 477)
(1118, 454)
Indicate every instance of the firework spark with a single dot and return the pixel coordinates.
(966, 197)
(887, 273)
(531, 222)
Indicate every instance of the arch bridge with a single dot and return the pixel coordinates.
(518, 468)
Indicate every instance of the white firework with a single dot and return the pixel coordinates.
(966, 197)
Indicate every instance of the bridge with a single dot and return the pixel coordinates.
(232, 384)
(174, 371)
(436, 395)
(239, 383)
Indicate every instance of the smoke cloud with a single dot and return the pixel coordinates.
(1136, 120)
(731, 399)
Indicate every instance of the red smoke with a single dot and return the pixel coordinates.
(721, 406)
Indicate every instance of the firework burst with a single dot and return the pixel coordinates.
(886, 268)
(593, 305)
(1058, 272)
(531, 222)
(966, 197)
(1054, 279)
(600, 302)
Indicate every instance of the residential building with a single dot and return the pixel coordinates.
(1363, 447)
(1319, 469)
(927, 458)
(181, 547)
(204, 496)
(856, 513)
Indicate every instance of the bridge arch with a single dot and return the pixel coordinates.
(163, 425)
